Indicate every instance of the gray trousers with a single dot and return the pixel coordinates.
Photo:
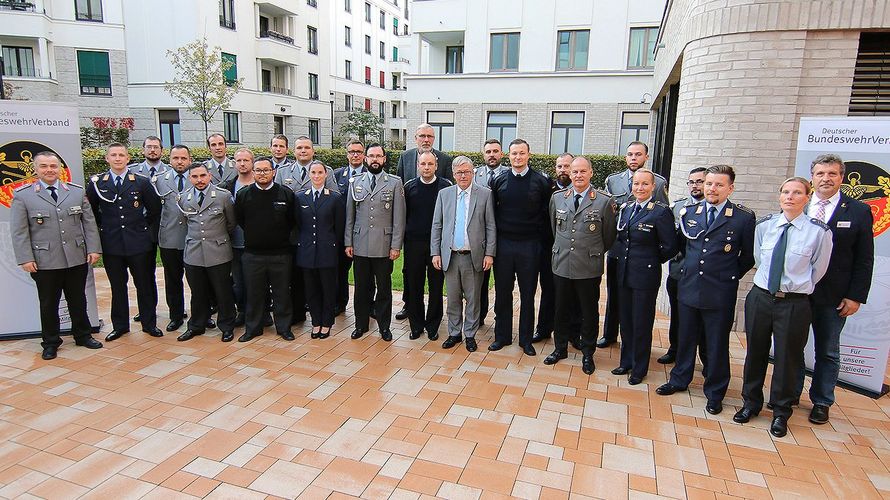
(463, 283)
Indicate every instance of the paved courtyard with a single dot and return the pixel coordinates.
(336, 418)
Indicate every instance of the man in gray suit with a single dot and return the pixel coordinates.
(152, 150)
(375, 228)
(173, 228)
(618, 185)
(463, 243)
(208, 252)
(55, 239)
(221, 167)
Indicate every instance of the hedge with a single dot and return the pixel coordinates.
(603, 165)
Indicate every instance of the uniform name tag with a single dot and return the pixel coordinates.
(76, 210)
(843, 223)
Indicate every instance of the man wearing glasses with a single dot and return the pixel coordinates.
(355, 166)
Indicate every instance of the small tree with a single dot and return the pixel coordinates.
(362, 124)
(199, 80)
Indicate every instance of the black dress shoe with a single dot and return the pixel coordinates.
(174, 325)
(50, 352)
(744, 415)
(239, 319)
(529, 350)
(667, 358)
(620, 371)
(115, 334)
(604, 342)
(154, 332)
(714, 407)
(89, 343)
(324, 335)
(634, 380)
(451, 341)
(432, 336)
(497, 345)
(188, 335)
(415, 335)
(228, 336)
(668, 389)
(539, 336)
(137, 318)
(587, 364)
(210, 324)
(471, 344)
(386, 335)
(357, 333)
(314, 335)
(247, 336)
(575, 343)
(554, 357)
(779, 427)
(288, 336)
(819, 414)
(403, 314)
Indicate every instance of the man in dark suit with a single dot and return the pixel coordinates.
(355, 167)
(127, 208)
(845, 285)
(718, 251)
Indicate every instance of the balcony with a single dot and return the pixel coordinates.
(17, 5)
(402, 65)
(281, 37)
(276, 90)
(277, 53)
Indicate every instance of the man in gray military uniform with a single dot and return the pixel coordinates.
(375, 227)
(221, 167)
(172, 231)
(55, 239)
(278, 146)
(208, 252)
(618, 185)
(492, 154)
(583, 223)
(152, 150)
(296, 175)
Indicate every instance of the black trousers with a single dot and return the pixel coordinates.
(547, 303)
(344, 263)
(712, 325)
(376, 271)
(517, 260)
(673, 333)
(50, 285)
(637, 318)
(297, 293)
(406, 288)
(262, 273)
(785, 324)
(174, 270)
(206, 280)
(483, 296)
(321, 289)
(116, 267)
(238, 280)
(612, 321)
(570, 294)
(419, 268)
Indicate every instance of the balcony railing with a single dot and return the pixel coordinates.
(276, 90)
(227, 23)
(16, 5)
(281, 37)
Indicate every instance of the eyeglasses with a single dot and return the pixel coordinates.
(262, 171)
(468, 172)
(152, 146)
(695, 183)
(354, 153)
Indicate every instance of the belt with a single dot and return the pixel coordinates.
(783, 295)
(461, 252)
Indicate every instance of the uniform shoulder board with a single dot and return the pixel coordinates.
(603, 192)
(623, 204)
(659, 176)
(662, 204)
(764, 218)
(308, 192)
(820, 224)
(94, 178)
(75, 185)
(743, 208)
(132, 177)
(132, 165)
(23, 187)
(679, 200)
(327, 192)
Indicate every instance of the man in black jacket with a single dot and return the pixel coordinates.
(846, 283)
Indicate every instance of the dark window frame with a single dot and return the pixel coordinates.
(89, 15)
(572, 49)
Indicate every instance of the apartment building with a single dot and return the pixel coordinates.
(564, 75)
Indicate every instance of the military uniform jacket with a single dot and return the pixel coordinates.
(341, 177)
(480, 174)
(54, 234)
(127, 217)
(291, 176)
(645, 241)
(375, 220)
(228, 173)
(618, 183)
(675, 263)
(714, 260)
(286, 162)
(173, 228)
(144, 169)
(208, 243)
(320, 227)
(581, 237)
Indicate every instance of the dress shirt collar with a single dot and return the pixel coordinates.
(582, 193)
(57, 185)
(718, 207)
(797, 222)
(832, 202)
(261, 188)
(644, 203)
(521, 173)
(115, 177)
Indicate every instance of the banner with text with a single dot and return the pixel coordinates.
(864, 144)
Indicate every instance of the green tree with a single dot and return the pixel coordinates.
(362, 124)
(204, 81)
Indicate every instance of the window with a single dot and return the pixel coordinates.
(504, 54)
(642, 48)
(349, 70)
(395, 54)
(368, 75)
(367, 44)
(347, 35)
(567, 132)
(278, 125)
(88, 10)
(311, 3)
(367, 12)
(382, 51)
(501, 126)
(395, 110)
(381, 110)
(230, 127)
(230, 75)
(168, 120)
(395, 82)
(348, 102)
(454, 59)
(395, 26)
(313, 86)
(312, 35)
(383, 79)
(443, 125)
(347, 5)
(382, 20)
(18, 61)
(226, 14)
(405, 29)
(266, 80)
(869, 96)
(571, 49)
(367, 105)
(313, 131)
(94, 73)
(634, 127)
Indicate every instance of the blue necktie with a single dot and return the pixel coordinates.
(777, 261)
(712, 214)
(460, 221)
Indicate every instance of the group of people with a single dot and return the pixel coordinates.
(262, 240)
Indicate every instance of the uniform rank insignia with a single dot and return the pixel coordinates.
(386, 206)
(650, 206)
(136, 204)
(727, 248)
(698, 210)
(592, 227)
(39, 219)
(728, 214)
(132, 177)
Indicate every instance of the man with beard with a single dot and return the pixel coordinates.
(278, 145)
(375, 227)
(221, 167)
(355, 166)
(619, 186)
(484, 175)
(152, 150)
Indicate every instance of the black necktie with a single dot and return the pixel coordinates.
(316, 198)
(220, 169)
(200, 198)
(151, 172)
(117, 183)
(636, 211)
(181, 182)
(777, 262)
(577, 200)
(52, 192)
(373, 182)
(302, 174)
(491, 178)
(712, 214)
